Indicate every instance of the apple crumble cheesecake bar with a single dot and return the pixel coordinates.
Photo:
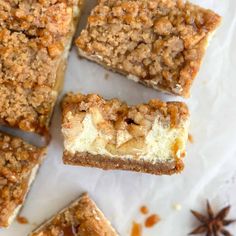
(159, 43)
(109, 134)
(80, 218)
(35, 38)
(19, 162)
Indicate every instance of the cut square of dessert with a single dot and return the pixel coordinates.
(35, 38)
(159, 43)
(109, 134)
(19, 162)
(81, 218)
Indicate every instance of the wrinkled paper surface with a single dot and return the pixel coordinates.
(210, 164)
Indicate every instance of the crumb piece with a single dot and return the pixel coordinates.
(177, 207)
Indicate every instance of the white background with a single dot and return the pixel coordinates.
(210, 164)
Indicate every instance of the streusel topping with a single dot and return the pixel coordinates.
(161, 42)
(33, 37)
(119, 114)
(18, 158)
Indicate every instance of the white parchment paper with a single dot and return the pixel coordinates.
(210, 164)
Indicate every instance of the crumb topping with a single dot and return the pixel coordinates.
(33, 37)
(120, 115)
(162, 42)
(18, 158)
(82, 218)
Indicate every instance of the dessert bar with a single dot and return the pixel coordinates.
(109, 134)
(159, 43)
(35, 38)
(82, 218)
(19, 162)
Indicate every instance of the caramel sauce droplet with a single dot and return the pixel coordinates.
(176, 149)
(144, 210)
(152, 220)
(69, 231)
(136, 229)
(22, 220)
(190, 138)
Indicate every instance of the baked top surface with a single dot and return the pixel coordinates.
(160, 42)
(170, 113)
(153, 132)
(81, 218)
(17, 161)
(33, 36)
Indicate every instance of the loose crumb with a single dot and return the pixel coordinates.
(144, 210)
(190, 138)
(136, 229)
(152, 220)
(22, 220)
(177, 207)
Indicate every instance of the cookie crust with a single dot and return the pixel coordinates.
(108, 163)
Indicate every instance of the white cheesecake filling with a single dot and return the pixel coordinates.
(75, 13)
(160, 144)
(166, 143)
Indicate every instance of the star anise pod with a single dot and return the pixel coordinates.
(213, 225)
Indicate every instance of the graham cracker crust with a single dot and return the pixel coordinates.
(108, 163)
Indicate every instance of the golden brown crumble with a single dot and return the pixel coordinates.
(33, 37)
(161, 42)
(18, 158)
(120, 115)
(81, 218)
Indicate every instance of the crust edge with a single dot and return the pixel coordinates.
(107, 163)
